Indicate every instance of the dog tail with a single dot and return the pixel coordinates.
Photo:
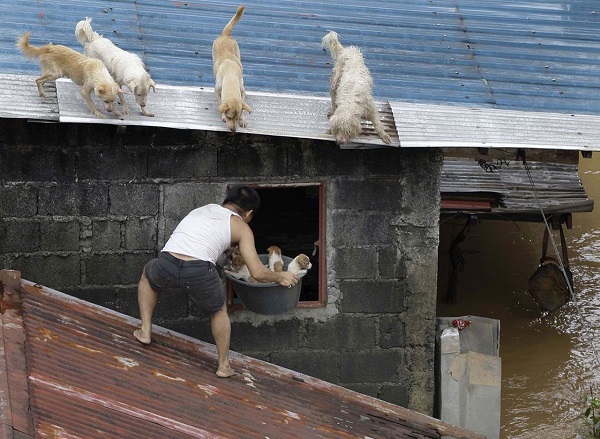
(84, 32)
(229, 27)
(24, 46)
(331, 41)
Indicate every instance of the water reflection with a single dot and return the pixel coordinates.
(548, 360)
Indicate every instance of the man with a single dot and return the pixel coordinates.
(188, 262)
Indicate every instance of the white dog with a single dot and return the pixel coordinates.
(229, 81)
(351, 92)
(126, 68)
(90, 74)
(300, 265)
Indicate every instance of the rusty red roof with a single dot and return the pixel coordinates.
(71, 369)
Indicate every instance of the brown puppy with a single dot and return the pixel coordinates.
(229, 83)
(60, 61)
(239, 270)
(275, 259)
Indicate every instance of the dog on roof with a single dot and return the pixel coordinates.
(58, 61)
(229, 81)
(351, 92)
(127, 68)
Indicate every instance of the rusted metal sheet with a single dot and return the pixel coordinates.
(13, 380)
(507, 186)
(89, 378)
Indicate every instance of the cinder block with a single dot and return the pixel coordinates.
(120, 269)
(391, 265)
(341, 332)
(370, 296)
(355, 263)
(140, 233)
(59, 235)
(324, 365)
(19, 236)
(191, 161)
(108, 162)
(134, 199)
(181, 198)
(106, 235)
(368, 194)
(74, 199)
(370, 366)
(18, 201)
(38, 163)
(281, 335)
(392, 332)
(350, 228)
(266, 157)
(54, 271)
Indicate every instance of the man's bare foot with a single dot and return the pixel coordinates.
(225, 371)
(141, 337)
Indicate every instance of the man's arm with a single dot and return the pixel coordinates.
(242, 234)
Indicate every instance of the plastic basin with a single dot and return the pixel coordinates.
(267, 298)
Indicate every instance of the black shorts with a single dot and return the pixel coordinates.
(200, 279)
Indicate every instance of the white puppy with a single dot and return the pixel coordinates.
(275, 259)
(126, 68)
(351, 92)
(300, 265)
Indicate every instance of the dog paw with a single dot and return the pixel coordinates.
(100, 115)
(147, 113)
(386, 138)
(243, 123)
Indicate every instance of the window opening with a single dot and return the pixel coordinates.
(292, 217)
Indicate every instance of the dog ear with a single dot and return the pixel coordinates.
(223, 108)
(246, 107)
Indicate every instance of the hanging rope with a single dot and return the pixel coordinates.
(586, 329)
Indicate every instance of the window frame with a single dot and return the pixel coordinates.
(320, 245)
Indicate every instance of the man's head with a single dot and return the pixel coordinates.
(245, 198)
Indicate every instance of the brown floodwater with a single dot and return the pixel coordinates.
(548, 360)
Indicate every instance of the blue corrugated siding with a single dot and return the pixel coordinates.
(524, 55)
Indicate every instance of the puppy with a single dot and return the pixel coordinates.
(126, 68)
(300, 265)
(275, 259)
(229, 83)
(60, 61)
(239, 269)
(351, 92)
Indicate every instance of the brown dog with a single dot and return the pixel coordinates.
(229, 83)
(60, 61)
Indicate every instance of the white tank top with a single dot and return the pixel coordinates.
(205, 233)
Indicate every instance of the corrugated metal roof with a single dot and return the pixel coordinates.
(533, 56)
(469, 51)
(425, 125)
(72, 369)
(508, 184)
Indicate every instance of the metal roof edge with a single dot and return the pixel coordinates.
(432, 125)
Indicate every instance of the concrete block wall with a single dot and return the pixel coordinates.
(84, 207)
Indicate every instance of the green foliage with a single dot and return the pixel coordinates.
(592, 416)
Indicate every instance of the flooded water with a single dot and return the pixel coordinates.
(548, 361)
